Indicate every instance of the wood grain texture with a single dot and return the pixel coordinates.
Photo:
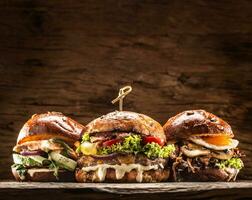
(129, 188)
(72, 56)
(125, 191)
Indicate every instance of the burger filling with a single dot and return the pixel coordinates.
(126, 152)
(51, 155)
(204, 153)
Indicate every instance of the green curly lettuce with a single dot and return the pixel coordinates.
(230, 163)
(111, 149)
(85, 137)
(132, 144)
(154, 150)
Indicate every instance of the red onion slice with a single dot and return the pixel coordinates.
(33, 153)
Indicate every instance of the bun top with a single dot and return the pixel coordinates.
(196, 122)
(49, 125)
(125, 121)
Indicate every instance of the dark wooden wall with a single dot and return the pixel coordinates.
(72, 56)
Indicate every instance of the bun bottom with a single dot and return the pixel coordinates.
(211, 174)
(150, 176)
(44, 175)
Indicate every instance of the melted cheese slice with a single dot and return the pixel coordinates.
(198, 140)
(120, 170)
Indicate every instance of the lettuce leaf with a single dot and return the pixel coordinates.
(154, 150)
(108, 150)
(132, 144)
(21, 170)
(30, 161)
(230, 163)
(85, 137)
(55, 168)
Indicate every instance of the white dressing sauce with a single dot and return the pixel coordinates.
(120, 170)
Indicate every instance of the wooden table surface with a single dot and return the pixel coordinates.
(188, 190)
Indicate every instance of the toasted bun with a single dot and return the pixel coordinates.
(210, 174)
(48, 125)
(196, 122)
(130, 177)
(125, 121)
(45, 175)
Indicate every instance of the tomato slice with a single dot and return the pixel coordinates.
(150, 139)
(111, 142)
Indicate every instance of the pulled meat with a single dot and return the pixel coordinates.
(203, 167)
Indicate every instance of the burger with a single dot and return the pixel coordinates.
(206, 150)
(45, 148)
(123, 146)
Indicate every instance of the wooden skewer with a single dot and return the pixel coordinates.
(122, 93)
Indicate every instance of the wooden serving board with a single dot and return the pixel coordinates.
(182, 190)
